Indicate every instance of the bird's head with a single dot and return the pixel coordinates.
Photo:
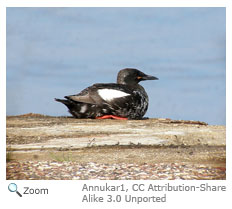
(131, 76)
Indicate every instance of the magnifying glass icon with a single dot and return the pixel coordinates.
(12, 187)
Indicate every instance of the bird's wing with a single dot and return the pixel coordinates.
(116, 96)
(83, 97)
(103, 93)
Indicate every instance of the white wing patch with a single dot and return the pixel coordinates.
(83, 108)
(110, 94)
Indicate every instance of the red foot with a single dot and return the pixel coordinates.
(111, 117)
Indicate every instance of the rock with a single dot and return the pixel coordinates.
(109, 143)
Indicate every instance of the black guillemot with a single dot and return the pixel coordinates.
(125, 99)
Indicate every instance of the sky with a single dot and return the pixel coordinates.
(54, 52)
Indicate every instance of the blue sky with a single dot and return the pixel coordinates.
(53, 52)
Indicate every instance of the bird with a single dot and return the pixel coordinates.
(123, 100)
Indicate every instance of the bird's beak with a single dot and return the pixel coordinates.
(148, 77)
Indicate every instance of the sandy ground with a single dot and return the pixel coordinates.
(169, 146)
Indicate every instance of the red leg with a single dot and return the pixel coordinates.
(111, 117)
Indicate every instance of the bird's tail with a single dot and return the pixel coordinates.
(64, 101)
(60, 100)
(79, 109)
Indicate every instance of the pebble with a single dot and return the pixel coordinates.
(48, 170)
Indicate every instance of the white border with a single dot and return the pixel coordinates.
(116, 3)
(63, 193)
(3, 90)
(228, 92)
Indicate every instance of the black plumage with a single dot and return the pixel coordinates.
(124, 99)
